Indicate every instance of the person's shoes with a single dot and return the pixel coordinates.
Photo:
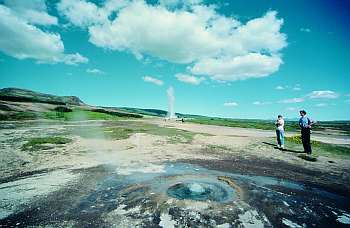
(282, 147)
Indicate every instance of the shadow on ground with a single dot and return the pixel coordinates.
(287, 150)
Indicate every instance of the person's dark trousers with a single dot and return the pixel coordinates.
(278, 135)
(305, 137)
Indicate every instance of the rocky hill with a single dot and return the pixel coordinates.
(23, 95)
(19, 104)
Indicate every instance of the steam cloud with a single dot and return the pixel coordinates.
(171, 102)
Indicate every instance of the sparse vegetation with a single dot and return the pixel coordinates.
(258, 124)
(117, 113)
(343, 127)
(42, 142)
(217, 147)
(78, 114)
(297, 139)
(123, 130)
(319, 148)
(63, 109)
(18, 116)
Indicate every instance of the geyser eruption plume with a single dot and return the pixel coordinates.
(171, 101)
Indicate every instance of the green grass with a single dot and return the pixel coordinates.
(297, 139)
(257, 124)
(124, 129)
(79, 115)
(342, 126)
(319, 148)
(174, 135)
(39, 143)
(66, 114)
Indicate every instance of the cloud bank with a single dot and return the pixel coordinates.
(209, 43)
(22, 39)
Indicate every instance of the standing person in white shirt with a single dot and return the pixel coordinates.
(280, 132)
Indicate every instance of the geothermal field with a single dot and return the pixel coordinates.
(68, 164)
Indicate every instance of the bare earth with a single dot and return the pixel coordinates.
(28, 178)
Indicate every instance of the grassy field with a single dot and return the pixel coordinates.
(75, 114)
(319, 148)
(117, 130)
(37, 143)
(78, 115)
(342, 126)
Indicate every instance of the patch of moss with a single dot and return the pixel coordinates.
(40, 143)
(118, 133)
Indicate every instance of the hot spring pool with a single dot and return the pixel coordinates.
(201, 191)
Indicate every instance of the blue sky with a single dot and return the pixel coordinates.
(238, 59)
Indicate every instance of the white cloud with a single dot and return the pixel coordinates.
(34, 12)
(323, 94)
(22, 40)
(211, 44)
(82, 13)
(252, 65)
(296, 87)
(305, 30)
(262, 102)
(321, 105)
(94, 71)
(143, 29)
(153, 80)
(181, 3)
(230, 104)
(292, 100)
(189, 79)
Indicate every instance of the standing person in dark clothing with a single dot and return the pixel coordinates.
(305, 125)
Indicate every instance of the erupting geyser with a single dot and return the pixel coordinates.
(171, 101)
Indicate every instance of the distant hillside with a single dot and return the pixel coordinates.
(23, 95)
(156, 112)
(149, 112)
(21, 104)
